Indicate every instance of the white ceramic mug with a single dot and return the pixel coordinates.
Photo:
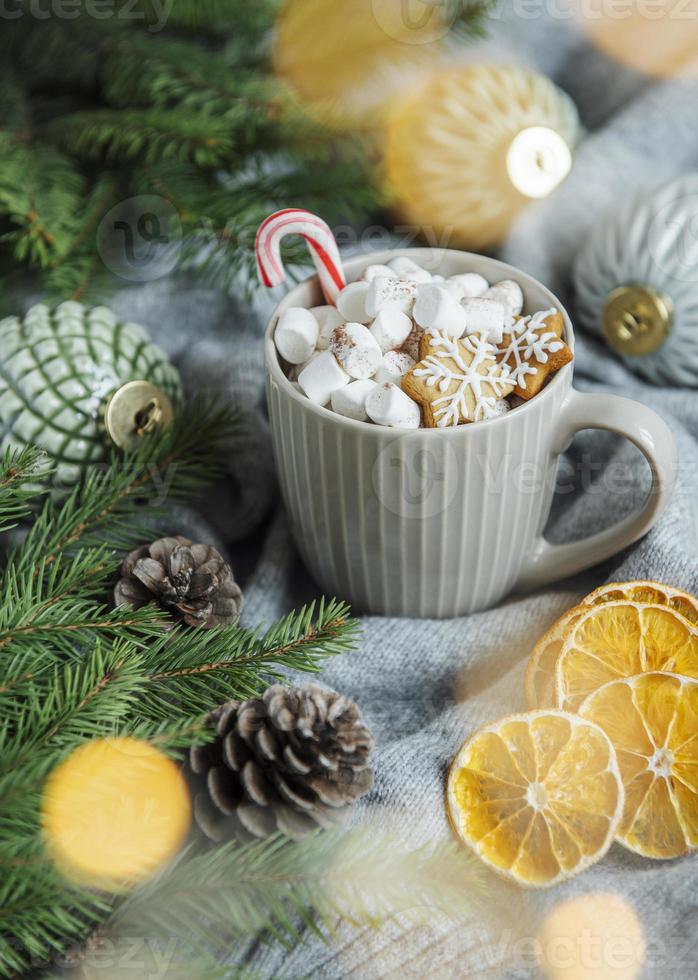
(443, 522)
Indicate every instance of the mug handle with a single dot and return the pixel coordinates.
(652, 436)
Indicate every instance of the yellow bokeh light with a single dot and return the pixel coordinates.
(114, 811)
(344, 58)
(596, 936)
(656, 37)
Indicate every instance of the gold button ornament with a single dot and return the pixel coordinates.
(636, 319)
(472, 146)
(636, 282)
(134, 410)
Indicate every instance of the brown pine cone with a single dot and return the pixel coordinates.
(191, 581)
(293, 760)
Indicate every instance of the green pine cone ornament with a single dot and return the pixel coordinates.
(59, 371)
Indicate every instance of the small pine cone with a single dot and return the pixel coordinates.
(191, 581)
(292, 761)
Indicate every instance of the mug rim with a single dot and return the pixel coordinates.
(359, 262)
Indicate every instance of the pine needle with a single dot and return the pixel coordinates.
(20, 471)
(282, 889)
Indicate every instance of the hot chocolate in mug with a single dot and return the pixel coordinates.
(446, 521)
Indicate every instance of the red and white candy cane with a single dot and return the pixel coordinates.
(321, 241)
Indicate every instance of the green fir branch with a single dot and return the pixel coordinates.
(359, 877)
(56, 53)
(170, 72)
(40, 194)
(108, 691)
(211, 19)
(220, 248)
(114, 504)
(472, 16)
(20, 470)
(38, 917)
(147, 135)
(235, 663)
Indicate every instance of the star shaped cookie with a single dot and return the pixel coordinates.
(532, 349)
(456, 381)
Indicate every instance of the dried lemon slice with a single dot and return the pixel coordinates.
(652, 720)
(539, 683)
(537, 796)
(620, 639)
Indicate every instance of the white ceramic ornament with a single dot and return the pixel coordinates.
(75, 381)
(636, 283)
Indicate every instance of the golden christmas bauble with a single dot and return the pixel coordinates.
(343, 58)
(472, 146)
(114, 811)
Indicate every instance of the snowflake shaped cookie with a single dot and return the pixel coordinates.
(457, 381)
(532, 349)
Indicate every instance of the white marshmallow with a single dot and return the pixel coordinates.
(350, 401)
(351, 303)
(391, 328)
(296, 334)
(384, 293)
(509, 293)
(321, 376)
(472, 284)
(328, 317)
(438, 309)
(389, 405)
(295, 369)
(393, 367)
(486, 317)
(404, 268)
(356, 349)
(372, 271)
(454, 288)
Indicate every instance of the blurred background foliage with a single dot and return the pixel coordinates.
(224, 109)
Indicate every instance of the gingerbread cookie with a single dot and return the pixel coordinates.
(532, 349)
(456, 381)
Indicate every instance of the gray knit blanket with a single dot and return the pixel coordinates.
(423, 686)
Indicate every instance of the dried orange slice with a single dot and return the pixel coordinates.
(653, 593)
(621, 639)
(652, 720)
(539, 683)
(537, 796)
